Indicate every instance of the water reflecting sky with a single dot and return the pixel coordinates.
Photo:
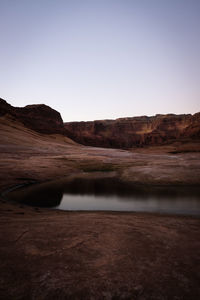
(174, 205)
(109, 194)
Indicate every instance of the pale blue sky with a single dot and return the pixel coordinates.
(101, 59)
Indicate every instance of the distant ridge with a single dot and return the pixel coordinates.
(136, 131)
(121, 133)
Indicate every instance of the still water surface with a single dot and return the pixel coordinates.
(172, 205)
(109, 195)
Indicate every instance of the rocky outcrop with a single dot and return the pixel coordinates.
(38, 117)
(120, 133)
(136, 131)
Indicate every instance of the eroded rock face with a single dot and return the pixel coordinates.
(120, 133)
(38, 117)
(137, 131)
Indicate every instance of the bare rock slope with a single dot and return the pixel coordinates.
(38, 117)
(122, 133)
(52, 254)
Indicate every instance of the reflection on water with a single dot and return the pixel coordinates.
(111, 195)
(135, 203)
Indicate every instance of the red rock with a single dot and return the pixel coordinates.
(38, 117)
(120, 133)
(136, 131)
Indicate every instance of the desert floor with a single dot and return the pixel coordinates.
(49, 254)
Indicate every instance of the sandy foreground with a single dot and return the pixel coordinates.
(49, 254)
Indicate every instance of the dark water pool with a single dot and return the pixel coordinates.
(110, 195)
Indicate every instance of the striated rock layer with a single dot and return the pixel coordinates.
(122, 133)
(38, 117)
(136, 131)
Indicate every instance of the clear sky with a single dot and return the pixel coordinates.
(101, 59)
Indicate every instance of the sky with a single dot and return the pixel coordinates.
(101, 59)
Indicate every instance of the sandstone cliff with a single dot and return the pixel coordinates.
(38, 117)
(136, 131)
(120, 133)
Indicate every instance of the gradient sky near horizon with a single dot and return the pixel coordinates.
(101, 59)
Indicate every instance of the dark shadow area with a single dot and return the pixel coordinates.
(113, 186)
(36, 196)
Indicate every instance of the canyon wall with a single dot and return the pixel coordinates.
(136, 131)
(120, 133)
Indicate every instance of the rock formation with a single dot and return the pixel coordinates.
(38, 117)
(120, 133)
(136, 131)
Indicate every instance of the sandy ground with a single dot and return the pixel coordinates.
(49, 254)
